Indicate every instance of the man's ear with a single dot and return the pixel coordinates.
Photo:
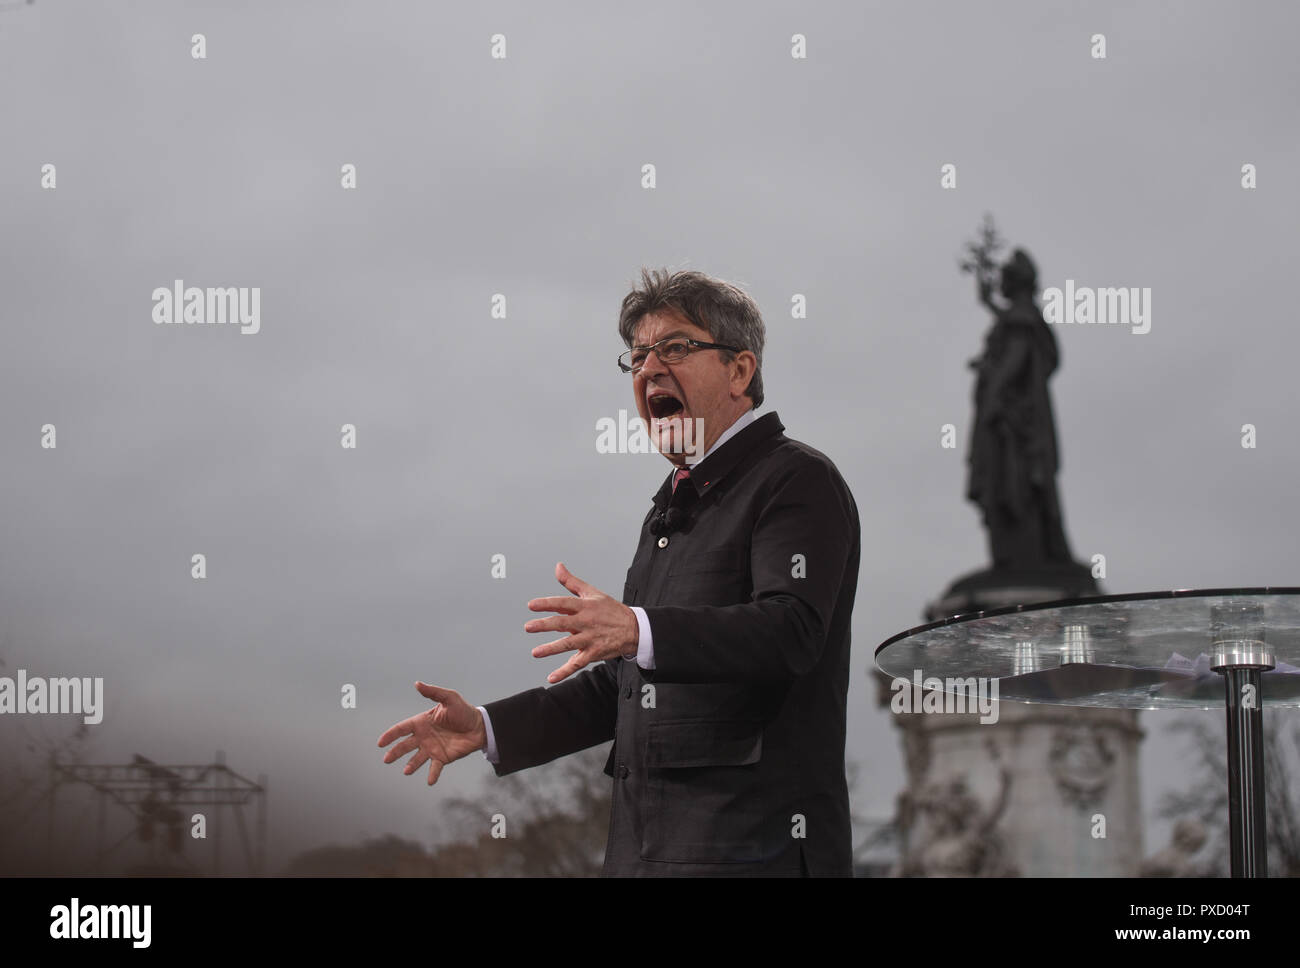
(743, 368)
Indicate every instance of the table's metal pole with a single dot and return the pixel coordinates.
(1247, 826)
(1242, 666)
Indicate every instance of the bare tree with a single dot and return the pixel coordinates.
(28, 746)
(1206, 799)
(548, 821)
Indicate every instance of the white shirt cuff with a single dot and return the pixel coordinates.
(645, 649)
(490, 751)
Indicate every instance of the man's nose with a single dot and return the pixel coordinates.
(652, 366)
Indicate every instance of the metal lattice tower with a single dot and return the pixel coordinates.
(154, 794)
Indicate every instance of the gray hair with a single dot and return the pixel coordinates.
(727, 312)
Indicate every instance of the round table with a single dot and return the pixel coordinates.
(1190, 648)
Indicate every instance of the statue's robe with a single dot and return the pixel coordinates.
(1013, 454)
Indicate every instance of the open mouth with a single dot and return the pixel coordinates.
(663, 405)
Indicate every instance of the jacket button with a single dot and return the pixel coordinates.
(622, 771)
(663, 542)
(628, 694)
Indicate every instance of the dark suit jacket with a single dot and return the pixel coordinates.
(738, 732)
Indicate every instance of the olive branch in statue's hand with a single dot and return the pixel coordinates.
(980, 256)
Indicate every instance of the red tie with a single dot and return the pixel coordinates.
(681, 475)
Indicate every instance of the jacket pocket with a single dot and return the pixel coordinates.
(686, 743)
(714, 576)
(704, 803)
(732, 558)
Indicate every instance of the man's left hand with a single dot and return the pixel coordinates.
(602, 627)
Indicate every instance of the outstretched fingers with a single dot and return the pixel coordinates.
(554, 603)
(569, 668)
(566, 644)
(436, 693)
(569, 580)
(396, 731)
(401, 749)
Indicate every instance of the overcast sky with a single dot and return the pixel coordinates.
(476, 436)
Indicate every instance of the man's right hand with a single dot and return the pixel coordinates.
(441, 735)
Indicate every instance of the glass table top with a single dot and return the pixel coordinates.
(1149, 650)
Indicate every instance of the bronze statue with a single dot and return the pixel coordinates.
(1013, 456)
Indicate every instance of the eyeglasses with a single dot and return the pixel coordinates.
(674, 349)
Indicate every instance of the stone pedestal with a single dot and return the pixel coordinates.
(1043, 791)
(1046, 791)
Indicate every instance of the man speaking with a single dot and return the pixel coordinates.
(722, 676)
